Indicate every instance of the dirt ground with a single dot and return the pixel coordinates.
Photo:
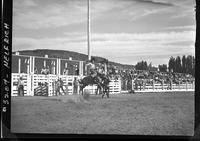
(135, 114)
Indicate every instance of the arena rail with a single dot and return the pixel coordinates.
(158, 87)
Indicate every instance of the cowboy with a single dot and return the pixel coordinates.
(59, 85)
(75, 84)
(20, 86)
(90, 67)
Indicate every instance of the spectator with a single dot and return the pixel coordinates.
(20, 86)
(59, 85)
(43, 71)
(35, 70)
(47, 70)
(75, 84)
(76, 69)
(65, 71)
(101, 68)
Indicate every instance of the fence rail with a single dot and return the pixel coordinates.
(164, 87)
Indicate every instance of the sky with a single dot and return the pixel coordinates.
(123, 31)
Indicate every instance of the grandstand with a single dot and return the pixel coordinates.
(36, 70)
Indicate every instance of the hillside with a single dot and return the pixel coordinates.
(66, 54)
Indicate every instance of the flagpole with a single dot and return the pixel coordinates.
(88, 30)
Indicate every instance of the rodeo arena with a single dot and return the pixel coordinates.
(57, 95)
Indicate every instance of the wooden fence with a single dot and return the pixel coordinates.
(33, 81)
(161, 87)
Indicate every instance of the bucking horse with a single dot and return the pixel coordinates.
(102, 81)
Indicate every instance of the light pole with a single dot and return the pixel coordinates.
(88, 29)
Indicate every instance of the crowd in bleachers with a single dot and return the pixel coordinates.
(132, 74)
(149, 76)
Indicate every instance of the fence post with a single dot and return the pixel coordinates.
(12, 84)
(66, 85)
(171, 85)
(48, 85)
(32, 84)
(54, 67)
(30, 65)
(80, 68)
(29, 84)
(92, 89)
(193, 85)
(162, 84)
(58, 66)
(33, 65)
(120, 86)
(132, 84)
(144, 85)
(179, 85)
(44, 63)
(72, 84)
(105, 68)
(186, 85)
(78, 88)
(19, 65)
(53, 88)
(126, 83)
(153, 85)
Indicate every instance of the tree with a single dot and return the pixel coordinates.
(141, 65)
(183, 64)
(145, 67)
(193, 65)
(150, 66)
(171, 64)
(189, 64)
(162, 68)
(177, 66)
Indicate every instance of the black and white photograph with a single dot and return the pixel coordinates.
(103, 67)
